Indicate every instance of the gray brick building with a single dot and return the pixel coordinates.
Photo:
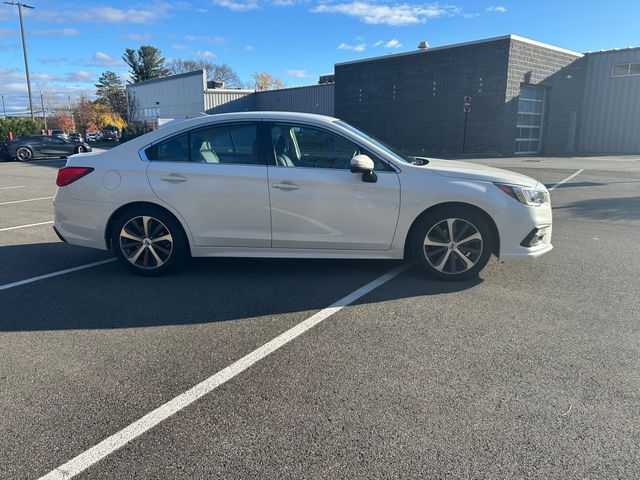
(526, 97)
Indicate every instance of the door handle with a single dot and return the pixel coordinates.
(285, 186)
(174, 178)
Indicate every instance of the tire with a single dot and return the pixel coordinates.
(81, 149)
(24, 154)
(142, 252)
(465, 256)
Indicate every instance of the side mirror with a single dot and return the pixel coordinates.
(363, 164)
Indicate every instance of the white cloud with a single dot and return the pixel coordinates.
(496, 9)
(206, 38)
(283, 3)
(378, 43)
(361, 47)
(106, 60)
(136, 37)
(77, 77)
(7, 32)
(249, 48)
(396, 15)
(205, 54)
(67, 32)
(298, 73)
(102, 14)
(237, 6)
(471, 15)
(177, 46)
(393, 43)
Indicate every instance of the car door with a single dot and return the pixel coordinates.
(57, 147)
(39, 145)
(318, 203)
(216, 179)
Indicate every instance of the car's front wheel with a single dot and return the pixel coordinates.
(81, 149)
(452, 244)
(24, 154)
(148, 241)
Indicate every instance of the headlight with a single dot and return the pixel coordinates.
(528, 196)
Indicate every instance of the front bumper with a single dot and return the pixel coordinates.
(515, 225)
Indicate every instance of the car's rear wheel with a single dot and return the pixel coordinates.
(452, 244)
(148, 241)
(81, 149)
(24, 154)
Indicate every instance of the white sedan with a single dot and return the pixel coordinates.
(281, 184)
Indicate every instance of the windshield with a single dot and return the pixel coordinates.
(378, 143)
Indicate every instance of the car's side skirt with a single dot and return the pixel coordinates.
(295, 253)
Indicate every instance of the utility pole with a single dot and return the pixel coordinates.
(24, 50)
(4, 110)
(44, 114)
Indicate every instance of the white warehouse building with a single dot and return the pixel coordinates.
(189, 95)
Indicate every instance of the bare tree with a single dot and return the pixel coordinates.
(133, 106)
(220, 72)
(265, 81)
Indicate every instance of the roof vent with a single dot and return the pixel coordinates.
(423, 45)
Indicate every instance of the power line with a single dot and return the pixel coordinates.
(24, 49)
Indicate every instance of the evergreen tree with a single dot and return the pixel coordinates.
(146, 63)
(110, 92)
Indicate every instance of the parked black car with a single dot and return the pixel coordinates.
(27, 148)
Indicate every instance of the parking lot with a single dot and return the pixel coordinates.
(530, 371)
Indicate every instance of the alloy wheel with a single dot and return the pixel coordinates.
(23, 154)
(453, 246)
(146, 242)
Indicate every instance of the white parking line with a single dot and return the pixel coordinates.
(8, 188)
(26, 226)
(119, 439)
(567, 179)
(7, 286)
(27, 200)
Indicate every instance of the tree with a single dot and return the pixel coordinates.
(65, 123)
(145, 63)
(19, 127)
(265, 81)
(220, 72)
(110, 92)
(85, 115)
(133, 106)
(104, 117)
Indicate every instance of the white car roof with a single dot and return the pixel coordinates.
(180, 125)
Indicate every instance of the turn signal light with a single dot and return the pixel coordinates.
(68, 175)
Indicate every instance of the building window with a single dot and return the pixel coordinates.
(152, 112)
(626, 69)
(529, 122)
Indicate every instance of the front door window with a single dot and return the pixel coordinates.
(530, 116)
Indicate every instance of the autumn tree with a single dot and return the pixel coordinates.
(220, 72)
(110, 92)
(145, 63)
(104, 117)
(265, 81)
(84, 115)
(65, 122)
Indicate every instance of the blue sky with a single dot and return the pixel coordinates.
(71, 43)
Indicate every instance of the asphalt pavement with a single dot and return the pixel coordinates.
(530, 371)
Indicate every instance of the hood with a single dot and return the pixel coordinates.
(472, 171)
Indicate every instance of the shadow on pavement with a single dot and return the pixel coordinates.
(576, 184)
(206, 290)
(626, 208)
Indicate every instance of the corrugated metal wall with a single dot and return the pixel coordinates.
(610, 121)
(311, 99)
(225, 101)
(178, 96)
